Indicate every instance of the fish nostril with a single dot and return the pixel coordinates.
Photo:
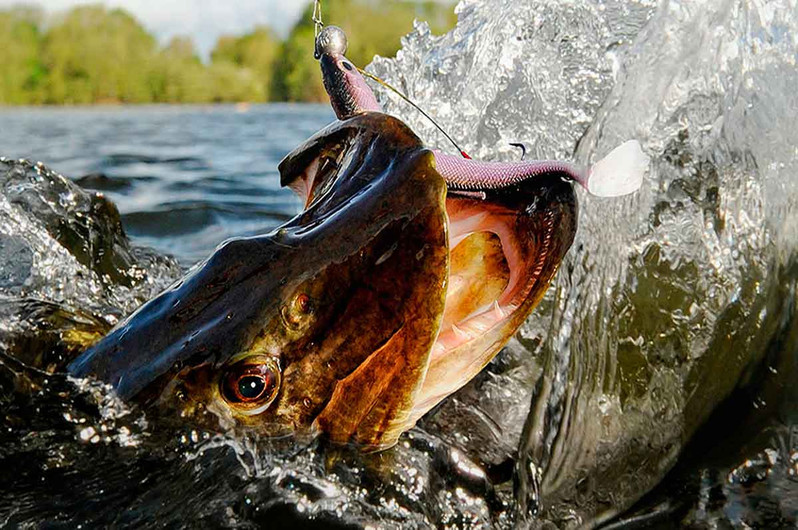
(296, 312)
(348, 65)
(303, 303)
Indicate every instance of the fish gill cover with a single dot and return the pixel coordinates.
(668, 300)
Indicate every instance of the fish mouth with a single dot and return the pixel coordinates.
(505, 246)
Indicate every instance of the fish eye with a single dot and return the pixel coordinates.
(347, 65)
(250, 385)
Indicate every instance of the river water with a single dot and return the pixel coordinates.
(184, 178)
(675, 309)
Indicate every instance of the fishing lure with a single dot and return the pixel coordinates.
(619, 173)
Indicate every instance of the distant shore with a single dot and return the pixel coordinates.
(92, 55)
(241, 106)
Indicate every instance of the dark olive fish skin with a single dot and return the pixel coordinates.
(332, 324)
(240, 300)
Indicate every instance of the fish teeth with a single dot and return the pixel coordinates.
(500, 313)
(460, 334)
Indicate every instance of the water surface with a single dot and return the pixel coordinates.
(185, 178)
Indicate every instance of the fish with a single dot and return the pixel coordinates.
(385, 295)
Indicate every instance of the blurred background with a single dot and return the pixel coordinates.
(60, 52)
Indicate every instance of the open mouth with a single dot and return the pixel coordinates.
(503, 256)
(486, 271)
(504, 245)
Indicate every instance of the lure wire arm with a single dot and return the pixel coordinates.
(415, 106)
(316, 18)
(318, 23)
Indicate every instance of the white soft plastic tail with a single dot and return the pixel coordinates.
(620, 172)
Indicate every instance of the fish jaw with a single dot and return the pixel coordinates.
(531, 227)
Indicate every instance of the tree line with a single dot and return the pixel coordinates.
(92, 54)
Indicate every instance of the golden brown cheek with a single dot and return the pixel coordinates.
(478, 276)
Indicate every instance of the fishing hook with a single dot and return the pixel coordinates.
(522, 147)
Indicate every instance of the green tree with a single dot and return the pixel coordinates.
(91, 54)
(22, 74)
(254, 52)
(229, 83)
(373, 28)
(97, 55)
(297, 76)
(178, 75)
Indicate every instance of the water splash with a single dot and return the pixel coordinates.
(668, 298)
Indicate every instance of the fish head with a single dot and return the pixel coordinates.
(382, 297)
(277, 333)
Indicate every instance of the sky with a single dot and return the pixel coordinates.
(203, 20)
